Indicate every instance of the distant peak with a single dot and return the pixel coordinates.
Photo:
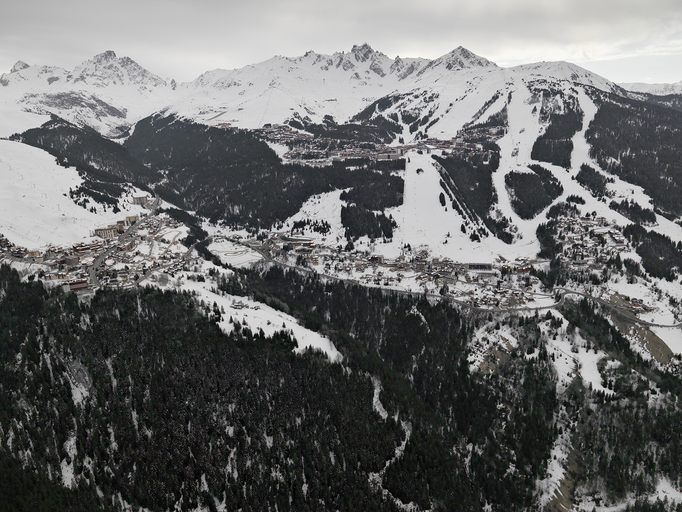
(105, 56)
(18, 66)
(465, 53)
(462, 50)
(106, 69)
(362, 52)
(462, 58)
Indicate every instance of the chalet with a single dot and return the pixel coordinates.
(140, 200)
(70, 260)
(480, 266)
(36, 256)
(80, 285)
(107, 232)
(389, 155)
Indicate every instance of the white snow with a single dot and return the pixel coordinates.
(35, 210)
(254, 314)
(233, 254)
(376, 400)
(104, 92)
(68, 466)
(665, 490)
(658, 89)
(322, 207)
(556, 466)
(79, 392)
(571, 353)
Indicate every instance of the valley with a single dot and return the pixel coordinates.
(341, 282)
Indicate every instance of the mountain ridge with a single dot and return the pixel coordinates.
(658, 89)
(111, 93)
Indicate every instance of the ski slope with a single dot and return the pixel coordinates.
(111, 93)
(35, 209)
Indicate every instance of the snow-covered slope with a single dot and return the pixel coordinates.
(35, 208)
(658, 89)
(111, 93)
(313, 85)
(106, 92)
(449, 90)
(422, 221)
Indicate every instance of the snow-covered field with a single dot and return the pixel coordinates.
(233, 254)
(665, 491)
(324, 207)
(35, 209)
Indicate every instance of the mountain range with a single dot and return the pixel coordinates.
(339, 282)
(111, 93)
(554, 113)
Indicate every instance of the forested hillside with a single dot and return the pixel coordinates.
(233, 177)
(563, 118)
(98, 157)
(640, 142)
(532, 192)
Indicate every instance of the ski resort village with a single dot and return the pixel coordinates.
(474, 269)
(147, 243)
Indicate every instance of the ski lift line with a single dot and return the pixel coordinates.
(267, 106)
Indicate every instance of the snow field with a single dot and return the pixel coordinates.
(35, 210)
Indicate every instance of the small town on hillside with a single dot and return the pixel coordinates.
(117, 255)
(154, 250)
(306, 149)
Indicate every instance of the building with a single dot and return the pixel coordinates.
(107, 232)
(484, 267)
(140, 200)
(80, 285)
(389, 155)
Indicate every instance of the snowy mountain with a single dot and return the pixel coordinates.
(107, 93)
(110, 93)
(657, 89)
(106, 69)
(542, 114)
(449, 89)
(493, 254)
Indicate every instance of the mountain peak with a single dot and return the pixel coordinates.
(18, 66)
(458, 59)
(461, 58)
(105, 56)
(363, 52)
(106, 69)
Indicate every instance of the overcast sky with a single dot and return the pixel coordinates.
(624, 40)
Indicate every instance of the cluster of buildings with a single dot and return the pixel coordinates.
(56, 266)
(156, 247)
(589, 243)
(113, 230)
(113, 260)
(480, 284)
(306, 149)
(282, 134)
